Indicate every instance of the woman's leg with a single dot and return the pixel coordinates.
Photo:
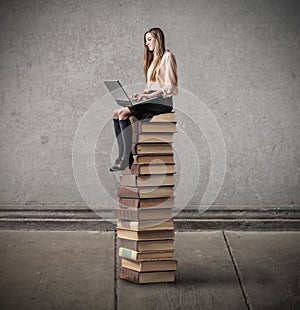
(118, 135)
(123, 132)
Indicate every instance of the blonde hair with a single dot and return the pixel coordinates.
(156, 55)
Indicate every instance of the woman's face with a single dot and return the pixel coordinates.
(150, 41)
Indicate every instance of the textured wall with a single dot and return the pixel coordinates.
(240, 57)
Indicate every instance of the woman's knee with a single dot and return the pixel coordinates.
(116, 113)
(124, 113)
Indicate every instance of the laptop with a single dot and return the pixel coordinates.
(120, 95)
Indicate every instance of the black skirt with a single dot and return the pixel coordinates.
(149, 109)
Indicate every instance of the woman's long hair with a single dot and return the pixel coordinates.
(156, 55)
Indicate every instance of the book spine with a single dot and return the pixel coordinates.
(128, 193)
(129, 203)
(126, 214)
(129, 275)
(129, 244)
(157, 224)
(140, 214)
(127, 253)
(127, 224)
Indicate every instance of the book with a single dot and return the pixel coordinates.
(146, 246)
(145, 192)
(145, 234)
(146, 256)
(145, 225)
(155, 159)
(152, 148)
(145, 266)
(146, 277)
(150, 137)
(165, 117)
(147, 180)
(142, 214)
(143, 127)
(164, 203)
(152, 169)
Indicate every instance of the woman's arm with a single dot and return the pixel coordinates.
(168, 77)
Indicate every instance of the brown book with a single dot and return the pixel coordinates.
(156, 167)
(150, 137)
(165, 117)
(146, 246)
(146, 277)
(152, 169)
(145, 266)
(159, 203)
(148, 159)
(145, 234)
(146, 192)
(152, 148)
(142, 214)
(160, 127)
(145, 225)
(146, 256)
(147, 180)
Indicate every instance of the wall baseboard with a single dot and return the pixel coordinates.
(217, 217)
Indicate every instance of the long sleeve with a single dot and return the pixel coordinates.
(167, 76)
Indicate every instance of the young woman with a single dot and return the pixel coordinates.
(160, 69)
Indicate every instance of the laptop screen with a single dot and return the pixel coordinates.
(116, 90)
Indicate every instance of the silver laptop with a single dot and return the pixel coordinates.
(120, 95)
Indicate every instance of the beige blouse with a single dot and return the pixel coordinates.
(167, 79)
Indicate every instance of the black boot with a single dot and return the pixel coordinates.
(126, 133)
(120, 144)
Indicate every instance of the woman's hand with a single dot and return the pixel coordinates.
(142, 97)
(139, 96)
(134, 96)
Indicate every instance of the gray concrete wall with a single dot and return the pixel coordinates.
(240, 57)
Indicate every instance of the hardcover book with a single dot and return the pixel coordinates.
(147, 180)
(152, 148)
(146, 277)
(156, 137)
(152, 245)
(152, 169)
(166, 117)
(153, 159)
(145, 266)
(146, 192)
(144, 127)
(138, 203)
(146, 256)
(142, 214)
(145, 234)
(145, 225)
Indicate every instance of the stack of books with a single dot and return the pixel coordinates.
(146, 198)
